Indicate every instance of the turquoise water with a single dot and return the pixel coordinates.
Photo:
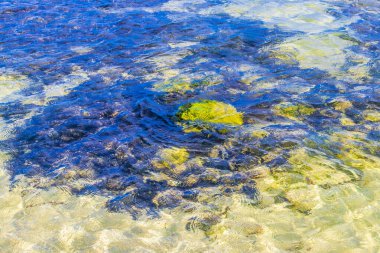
(189, 126)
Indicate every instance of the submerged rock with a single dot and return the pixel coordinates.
(372, 115)
(293, 111)
(345, 121)
(304, 16)
(304, 198)
(182, 83)
(170, 158)
(259, 133)
(169, 199)
(342, 105)
(246, 227)
(356, 151)
(318, 169)
(204, 222)
(307, 173)
(210, 112)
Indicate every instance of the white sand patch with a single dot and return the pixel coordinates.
(11, 83)
(329, 52)
(81, 49)
(292, 15)
(183, 44)
(63, 87)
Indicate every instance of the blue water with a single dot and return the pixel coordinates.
(111, 127)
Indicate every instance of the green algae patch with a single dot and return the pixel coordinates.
(293, 111)
(259, 133)
(174, 85)
(212, 112)
(345, 121)
(342, 105)
(372, 115)
(170, 158)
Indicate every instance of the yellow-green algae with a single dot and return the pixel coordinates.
(171, 158)
(342, 105)
(260, 133)
(345, 121)
(372, 115)
(180, 84)
(293, 111)
(211, 111)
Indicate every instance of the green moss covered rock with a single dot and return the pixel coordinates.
(342, 105)
(170, 158)
(174, 85)
(293, 111)
(210, 111)
(259, 133)
(372, 115)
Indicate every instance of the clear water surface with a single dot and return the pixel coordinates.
(190, 126)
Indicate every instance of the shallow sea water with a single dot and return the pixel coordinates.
(190, 126)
